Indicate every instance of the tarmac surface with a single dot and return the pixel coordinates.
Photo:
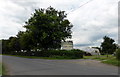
(25, 66)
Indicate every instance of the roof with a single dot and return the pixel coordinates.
(88, 49)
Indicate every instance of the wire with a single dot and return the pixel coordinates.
(81, 6)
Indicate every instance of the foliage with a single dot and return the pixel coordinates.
(5, 47)
(14, 44)
(11, 45)
(118, 54)
(48, 28)
(69, 53)
(108, 46)
(26, 41)
(54, 53)
(45, 30)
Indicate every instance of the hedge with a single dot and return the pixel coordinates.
(75, 53)
(69, 53)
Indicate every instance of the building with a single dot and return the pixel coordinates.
(118, 45)
(91, 51)
(67, 45)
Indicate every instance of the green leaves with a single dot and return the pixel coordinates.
(45, 30)
(49, 27)
(108, 45)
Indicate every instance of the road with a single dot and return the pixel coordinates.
(25, 66)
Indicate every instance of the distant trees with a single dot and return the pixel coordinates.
(108, 46)
(11, 45)
(14, 44)
(5, 47)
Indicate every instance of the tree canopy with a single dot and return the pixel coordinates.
(108, 46)
(48, 27)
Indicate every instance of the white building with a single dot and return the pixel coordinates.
(118, 45)
(68, 45)
(92, 51)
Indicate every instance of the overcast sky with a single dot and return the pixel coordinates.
(92, 19)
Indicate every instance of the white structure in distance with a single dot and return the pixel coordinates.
(67, 45)
(92, 51)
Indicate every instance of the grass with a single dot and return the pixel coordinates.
(3, 70)
(0, 69)
(101, 57)
(104, 59)
(112, 62)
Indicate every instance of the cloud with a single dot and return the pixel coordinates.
(95, 20)
(91, 22)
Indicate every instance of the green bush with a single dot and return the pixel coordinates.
(73, 54)
(118, 54)
(63, 53)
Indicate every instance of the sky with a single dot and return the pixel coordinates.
(91, 19)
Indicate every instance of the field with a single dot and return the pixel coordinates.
(104, 59)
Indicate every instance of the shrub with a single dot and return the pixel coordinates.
(73, 54)
(118, 54)
(65, 53)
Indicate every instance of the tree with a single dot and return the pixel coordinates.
(14, 44)
(48, 28)
(26, 41)
(9, 46)
(108, 46)
(5, 47)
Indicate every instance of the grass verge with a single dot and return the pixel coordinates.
(112, 62)
(104, 59)
(1, 69)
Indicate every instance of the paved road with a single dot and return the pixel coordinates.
(24, 66)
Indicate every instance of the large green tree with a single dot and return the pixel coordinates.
(47, 28)
(108, 46)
